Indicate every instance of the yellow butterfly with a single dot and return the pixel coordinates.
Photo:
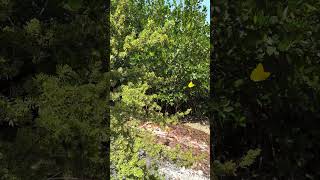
(190, 85)
(258, 74)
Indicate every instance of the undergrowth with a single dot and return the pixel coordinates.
(135, 153)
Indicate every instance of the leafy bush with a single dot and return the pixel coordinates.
(133, 106)
(157, 48)
(53, 86)
(163, 45)
(230, 168)
(278, 114)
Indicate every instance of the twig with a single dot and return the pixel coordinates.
(9, 18)
(55, 175)
(45, 5)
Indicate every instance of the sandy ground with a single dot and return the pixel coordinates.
(194, 136)
(171, 172)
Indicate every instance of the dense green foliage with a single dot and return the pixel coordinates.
(163, 45)
(281, 114)
(157, 48)
(53, 89)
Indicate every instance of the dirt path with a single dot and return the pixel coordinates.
(190, 136)
(171, 172)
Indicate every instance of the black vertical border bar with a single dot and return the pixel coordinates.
(215, 131)
(106, 68)
(212, 73)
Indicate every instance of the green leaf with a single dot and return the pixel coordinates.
(249, 158)
(284, 45)
(285, 13)
(238, 82)
(271, 50)
(310, 8)
(242, 121)
(73, 5)
(255, 19)
(228, 109)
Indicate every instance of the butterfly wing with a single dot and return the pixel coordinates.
(266, 75)
(255, 74)
(258, 74)
(190, 85)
